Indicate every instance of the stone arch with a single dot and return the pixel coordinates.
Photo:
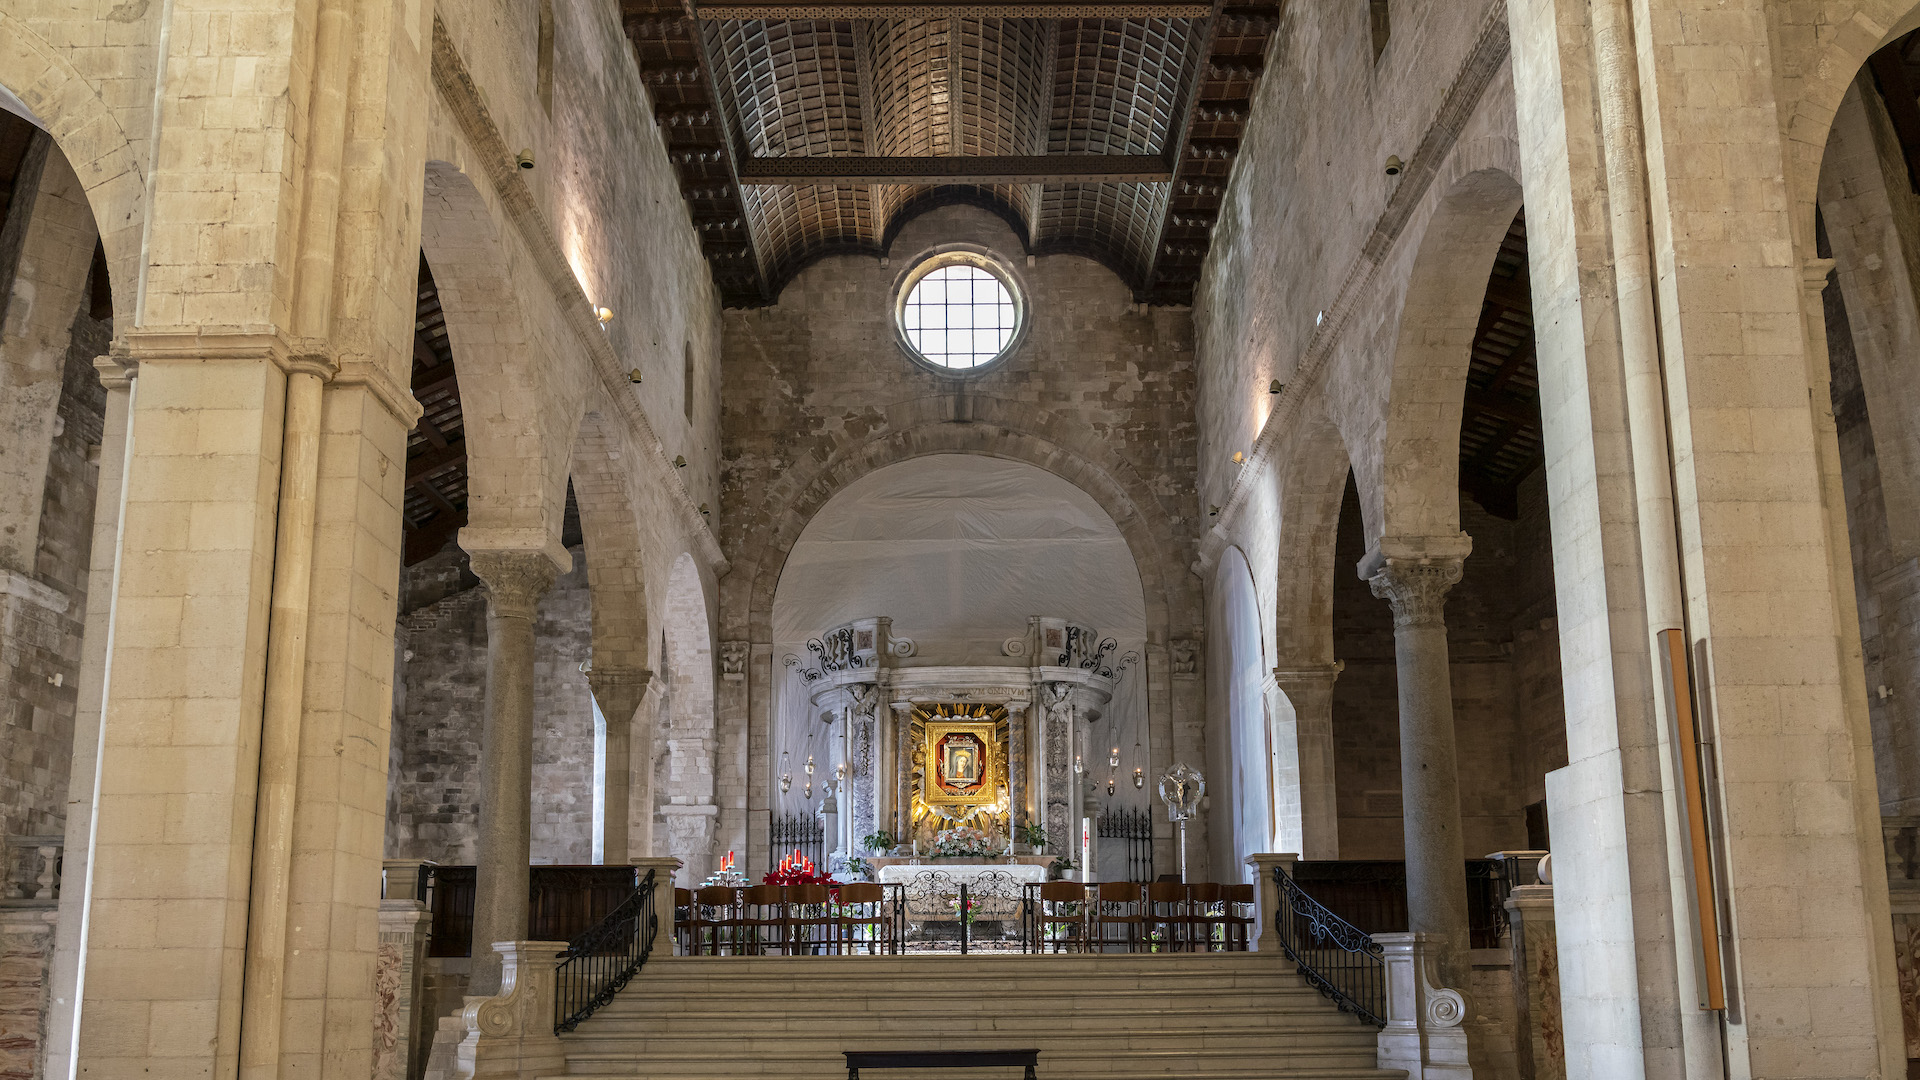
(1312, 482)
(518, 422)
(1817, 82)
(91, 140)
(610, 530)
(1419, 482)
(686, 798)
(997, 428)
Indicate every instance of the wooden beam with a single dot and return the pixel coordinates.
(1503, 406)
(425, 464)
(426, 541)
(1075, 168)
(953, 9)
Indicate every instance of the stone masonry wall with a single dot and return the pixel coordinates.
(433, 801)
(41, 653)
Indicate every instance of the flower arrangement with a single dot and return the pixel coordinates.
(797, 869)
(962, 841)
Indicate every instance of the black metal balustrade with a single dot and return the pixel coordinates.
(1371, 894)
(804, 833)
(1134, 828)
(598, 963)
(1334, 956)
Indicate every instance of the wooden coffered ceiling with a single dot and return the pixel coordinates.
(802, 130)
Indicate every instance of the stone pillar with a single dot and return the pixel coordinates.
(118, 379)
(398, 1017)
(1309, 694)
(619, 692)
(1536, 984)
(665, 868)
(1416, 585)
(508, 1034)
(1018, 782)
(26, 953)
(1266, 897)
(515, 581)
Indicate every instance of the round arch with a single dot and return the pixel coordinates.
(1241, 747)
(684, 793)
(1002, 429)
(1419, 482)
(94, 144)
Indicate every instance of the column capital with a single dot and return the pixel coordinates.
(515, 580)
(1308, 674)
(620, 691)
(1416, 589)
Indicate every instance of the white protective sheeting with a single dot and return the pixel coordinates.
(958, 548)
(1240, 780)
(959, 551)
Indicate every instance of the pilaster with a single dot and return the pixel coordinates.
(1305, 723)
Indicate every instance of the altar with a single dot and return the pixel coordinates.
(995, 886)
(965, 761)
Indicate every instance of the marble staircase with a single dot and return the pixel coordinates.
(1234, 1016)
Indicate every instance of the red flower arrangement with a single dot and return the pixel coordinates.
(797, 869)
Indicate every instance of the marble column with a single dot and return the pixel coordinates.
(902, 772)
(619, 693)
(1017, 780)
(1429, 772)
(515, 581)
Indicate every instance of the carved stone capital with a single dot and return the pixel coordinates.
(515, 581)
(733, 659)
(619, 691)
(1417, 590)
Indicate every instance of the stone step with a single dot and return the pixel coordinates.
(1279, 1070)
(1040, 1015)
(1056, 1063)
(1336, 1041)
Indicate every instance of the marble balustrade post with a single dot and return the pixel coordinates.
(1429, 772)
(515, 581)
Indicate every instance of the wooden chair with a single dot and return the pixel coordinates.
(809, 920)
(1239, 910)
(1167, 915)
(1120, 915)
(862, 919)
(763, 920)
(1206, 904)
(1061, 918)
(719, 921)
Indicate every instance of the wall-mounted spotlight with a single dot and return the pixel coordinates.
(679, 461)
(703, 510)
(1213, 511)
(524, 158)
(1395, 166)
(634, 376)
(1239, 457)
(604, 314)
(1276, 386)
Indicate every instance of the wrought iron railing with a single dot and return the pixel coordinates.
(1133, 828)
(1371, 894)
(1334, 956)
(562, 902)
(598, 963)
(804, 833)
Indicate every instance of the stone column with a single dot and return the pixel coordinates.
(1018, 783)
(515, 581)
(902, 785)
(1429, 774)
(1309, 696)
(398, 1045)
(619, 692)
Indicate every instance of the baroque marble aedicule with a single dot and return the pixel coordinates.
(1026, 720)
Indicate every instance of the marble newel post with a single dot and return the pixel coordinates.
(515, 581)
(1429, 774)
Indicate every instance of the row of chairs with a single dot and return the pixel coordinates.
(784, 920)
(1128, 916)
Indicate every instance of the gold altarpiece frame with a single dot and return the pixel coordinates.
(960, 765)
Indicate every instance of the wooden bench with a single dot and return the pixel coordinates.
(938, 1059)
